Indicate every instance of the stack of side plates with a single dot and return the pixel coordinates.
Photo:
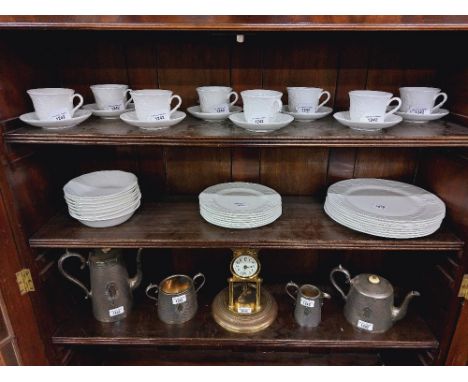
(103, 198)
(384, 208)
(240, 205)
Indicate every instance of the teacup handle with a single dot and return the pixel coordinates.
(149, 288)
(178, 105)
(444, 95)
(279, 103)
(236, 97)
(296, 288)
(198, 275)
(326, 100)
(130, 99)
(396, 108)
(80, 97)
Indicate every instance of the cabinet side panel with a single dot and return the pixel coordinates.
(446, 174)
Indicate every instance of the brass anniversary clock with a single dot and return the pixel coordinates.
(244, 306)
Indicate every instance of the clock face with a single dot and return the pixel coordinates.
(245, 266)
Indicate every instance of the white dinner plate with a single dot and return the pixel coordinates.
(235, 225)
(387, 200)
(372, 230)
(239, 198)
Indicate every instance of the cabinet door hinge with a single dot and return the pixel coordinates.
(25, 282)
(464, 288)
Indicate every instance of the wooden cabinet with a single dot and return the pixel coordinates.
(174, 165)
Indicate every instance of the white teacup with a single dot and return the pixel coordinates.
(216, 99)
(421, 100)
(370, 106)
(54, 104)
(306, 100)
(154, 104)
(112, 97)
(261, 106)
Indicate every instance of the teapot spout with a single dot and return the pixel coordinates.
(399, 313)
(136, 280)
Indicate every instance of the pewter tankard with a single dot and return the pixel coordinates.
(111, 288)
(308, 300)
(369, 303)
(177, 297)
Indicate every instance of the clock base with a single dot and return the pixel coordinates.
(244, 323)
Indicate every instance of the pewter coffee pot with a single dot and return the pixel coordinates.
(111, 288)
(369, 303)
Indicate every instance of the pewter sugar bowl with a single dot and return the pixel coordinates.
(369, 303)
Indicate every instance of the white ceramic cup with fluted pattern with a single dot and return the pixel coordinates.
(111, 97)
(421, 100)
(216, 99)
(261, 106)
(305, 99)
(54, 104)
(371, 106)
(154, 104)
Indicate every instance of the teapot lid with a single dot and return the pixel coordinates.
(104, 256)
(372, 286)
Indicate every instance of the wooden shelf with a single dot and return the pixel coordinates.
(143, 327)
(178, 224)
(236, 23)
(193, 132)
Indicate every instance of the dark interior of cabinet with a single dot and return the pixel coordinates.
(180, 61)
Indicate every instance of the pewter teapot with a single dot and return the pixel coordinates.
(111, 288)
(369, 303)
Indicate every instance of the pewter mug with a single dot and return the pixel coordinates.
(369, 303)
(111, 288)
(176, 297)
(308, 300)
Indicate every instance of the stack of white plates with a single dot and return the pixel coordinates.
(240, 205)
(384, 208)
(103, 198)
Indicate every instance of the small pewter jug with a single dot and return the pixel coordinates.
(369, 303)
(111, 288)
(308, 300)
(177, 297)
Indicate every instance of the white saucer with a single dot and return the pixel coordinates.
(107, 114)
(421, 118)
(79, 116)
(343, 118)
(212, 117)
(307, 117)
(131, 119)
(281, 121)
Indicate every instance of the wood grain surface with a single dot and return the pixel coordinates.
(192, 132)
(143, 327)
(302, 225)
(237, 23)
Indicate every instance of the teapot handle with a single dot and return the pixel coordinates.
(339, 268)
(62, 259)
(199, 275)
(156, 292)
(296, 288)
